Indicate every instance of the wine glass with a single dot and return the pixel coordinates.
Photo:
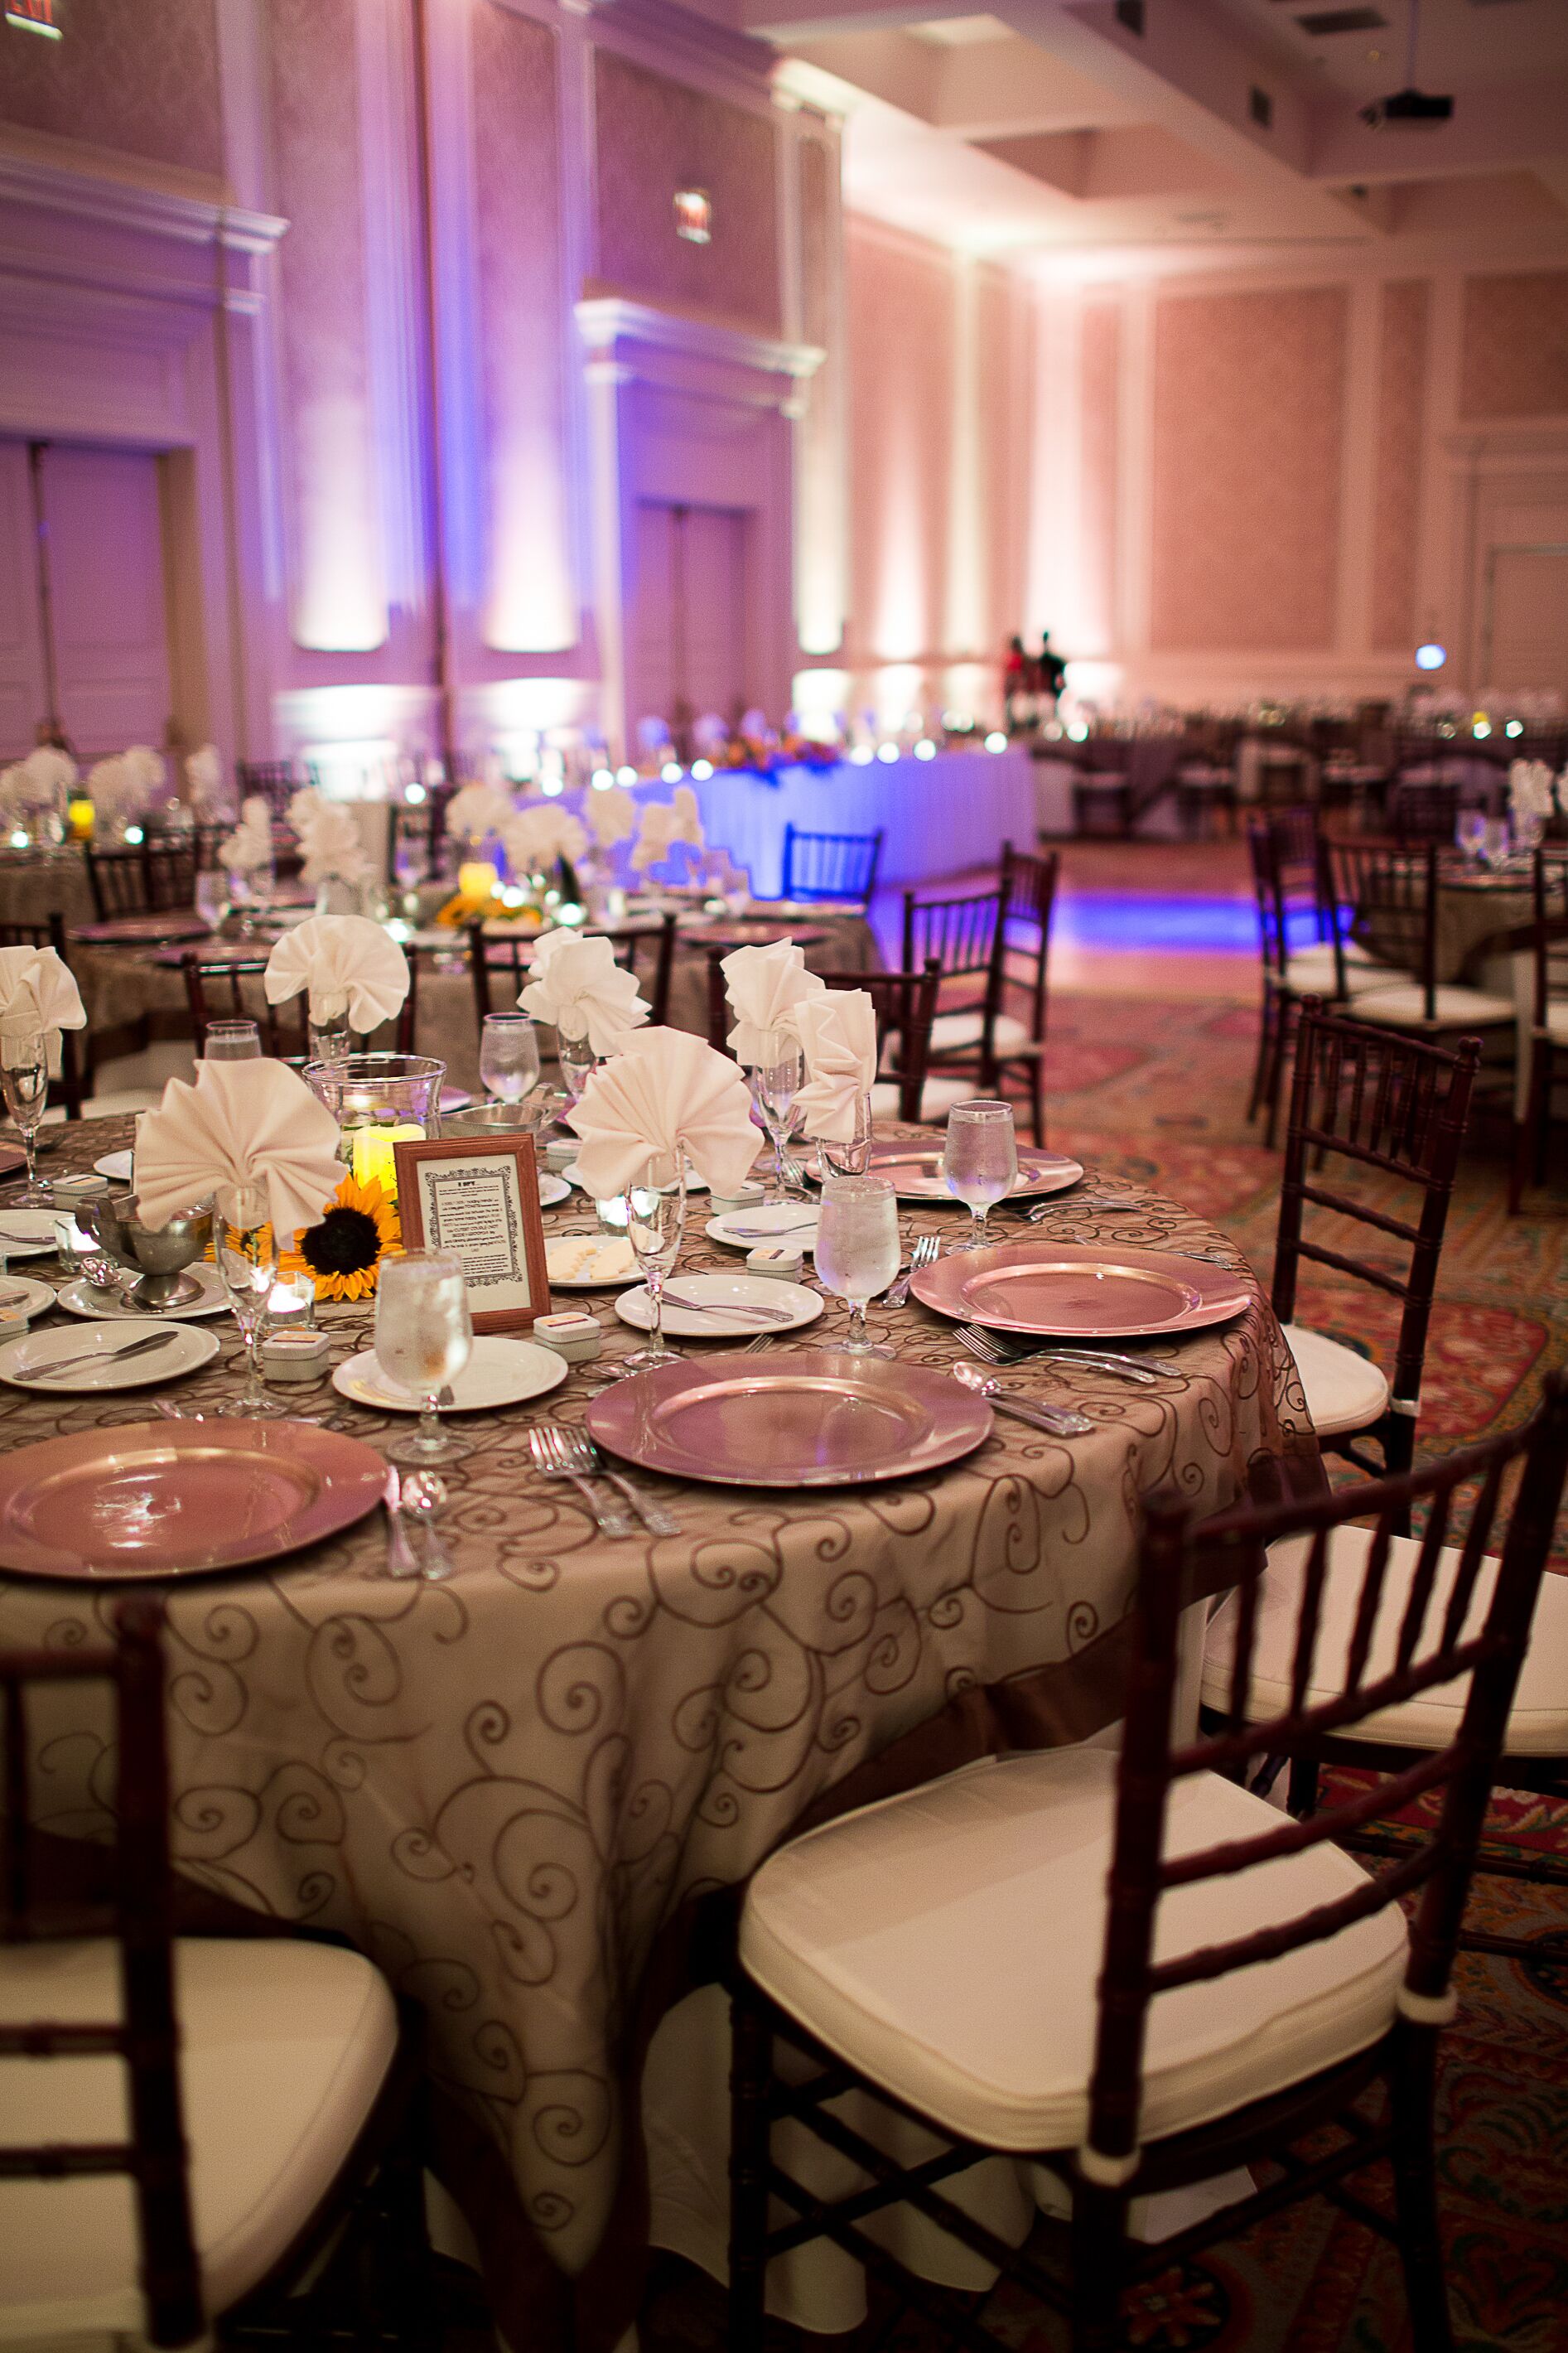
(232, 1042)
(777, 1078)
(24, 1083)
(424, 1337)
(849, 1155)
(655, 1222)
(245, 1250)
(211, 897)
(1470, 832)
(508, 1057)
(981, 1160)
(576, 1058)
(858, 1249)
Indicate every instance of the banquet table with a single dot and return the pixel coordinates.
(511, 1789)
(37, 884)
(941, 816)
(1473, 904)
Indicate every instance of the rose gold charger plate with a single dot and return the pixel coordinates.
(1080, 1290)
(800, 1417)
(915, 1173)
(156, 1500)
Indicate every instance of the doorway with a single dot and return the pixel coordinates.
(1524, 623)
(690, 637)
(84, 605)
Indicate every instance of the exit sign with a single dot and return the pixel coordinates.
(32, 16)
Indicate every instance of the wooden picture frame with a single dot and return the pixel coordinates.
(493, 1221)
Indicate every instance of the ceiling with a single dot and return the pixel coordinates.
(1088, 137)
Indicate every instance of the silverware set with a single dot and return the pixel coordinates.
(926, 1251)
(560, 1452)
(1004, 1348)
(1056, 1421)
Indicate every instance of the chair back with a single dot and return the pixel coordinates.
(1549, 886)
(140, 1916)
(644, 950)
(1373, 1099)
(273, 781)
(905, 1008)
(1385, 899)
(228, 988)
(146, 878)
(831, 865)
(66, 1089)
(1285, 848)
(1428, 808)
(1181, 1560)
(1029, 901)
(963, 933)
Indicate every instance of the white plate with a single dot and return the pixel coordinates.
(183, 1349)
(794, 1221)
(500, 1372)
(30, 1233)
(740, 1291)
(552, 1189)
(116, 1167)
(20, 1291)
(694, 1184)
(559, 1250)
(80, 1299)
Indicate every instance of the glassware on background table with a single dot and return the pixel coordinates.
(857, 1248)
(25, 1085)
(981, 1160)
(777, 1080)
(1494, 842)
(655, 1222)
(576, 1058)
(211, 897)
(245, 1250)
(1470, 832)
(232, 1042)
(852, 1156)
(329, 1041)
(424, 1336)
(508, 1057)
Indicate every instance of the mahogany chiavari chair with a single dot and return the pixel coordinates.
(1545, 1052)
(1383, 899)
(1289, 880)
(68, 1088)
(256, 2092)
(1426, 809)
(841, 866)
(978, 1040)
(979, 1955)
(644, 950)
(144, 878)
(273, 781)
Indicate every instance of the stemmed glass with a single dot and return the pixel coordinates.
(849, 1155)
(1470, 832)
(245, 1250)
(232, 1042)
(424, 1337)
(24, 1083)
(981, 1160)
(858, 1249)
(655, 1222)
(211, 897)
(576, 1058)
(508, 1057)
(777, 1078)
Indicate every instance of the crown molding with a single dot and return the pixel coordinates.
(682, 39)
(605, 320)
(126, 205)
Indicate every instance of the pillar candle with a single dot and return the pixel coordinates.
(372, 1161)
(476, 879)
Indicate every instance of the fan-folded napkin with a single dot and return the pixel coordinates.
(666, 1093)
(666, 823)
(535, 837)
(838, 1039)
(207, 785)
(250, 846)
(350, 966)
(242, 1124)
(613, 814)
(765, 987)
(477, 810)
(577, 985)
(38, 992)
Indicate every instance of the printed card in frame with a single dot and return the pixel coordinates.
(479, 1200)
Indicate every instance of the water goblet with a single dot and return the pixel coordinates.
(857, 1248)
(508, 1057)
(777, 1078)
(424, 1337)
(655, 1222)
(576, 1058)
(245, 1250)
(980, 1161)
(25, 1086)
(211, 897)
(232, 1042)
(1470, 832)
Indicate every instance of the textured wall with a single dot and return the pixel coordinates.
(1401, 417)
(137, 76)
(900, 329)
(1514, 359)
(655, 136)
(1248, 421)
(1100, 365)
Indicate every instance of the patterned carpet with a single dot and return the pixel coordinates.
(1159, 1094)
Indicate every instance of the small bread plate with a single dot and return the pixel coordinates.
(785, 1306)
(28, 1233)
(765, 1221)
(116, 1167)
(552, 1189)
(25, 1361)
(915, 1172)
(1086, 1291)
(805, 1418)
(167, 1499)
(79, 1298)
(500, 1371)
(21, 1291)
(590, 1262)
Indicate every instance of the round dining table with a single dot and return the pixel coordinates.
(518, 1789)
(37, 884)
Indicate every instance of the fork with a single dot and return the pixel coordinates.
(546, 1443)
(149, 1343)
(924, 1253)
(747, 1309)
(584, 1455)
(1003, 1348)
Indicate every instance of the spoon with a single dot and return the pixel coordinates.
(425, 1494)
(1058, 1421)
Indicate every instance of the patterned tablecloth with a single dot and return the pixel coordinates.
(504, 1787)
(35, 884)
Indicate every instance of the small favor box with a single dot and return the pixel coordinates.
(571, 1333)
(560, 1156)
(295, 1356)
(749, 1198)
(13, 1322)
(784, 1260)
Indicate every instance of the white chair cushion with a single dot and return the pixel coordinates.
(1344, 1391)
(937, 1097)
(1538, 1725)
(285, 2048)
(951, 1032)
(1405, 1008)
(1312, 971)
(947, 1943)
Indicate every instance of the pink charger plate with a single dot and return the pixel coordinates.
(1080, 1290)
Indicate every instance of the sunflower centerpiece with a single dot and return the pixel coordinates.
(344, 1252)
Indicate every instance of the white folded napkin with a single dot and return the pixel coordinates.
(764, 985)
(304, 807)
(118, 791)
(535, 837)
(146, 771)
(665, 1093)
(249, 847)
(330, 843)
(613, 814)
(664, 825)
(576, 981)
(477, 812)
(44, 779)
(206, 783)
(1530, 788)
(38, 992)
(838, 1039)
(349, 964)
(243, 1123)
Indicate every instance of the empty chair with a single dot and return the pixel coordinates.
(1543, 1048)
(979, 1955)
(1203, 793)
(144, 878)
(839, 866)
(975, 938)
(1384, 901)
(229, 989)
(1427, 808)
(906, 1008)
(1295, 926)
(66, 1090)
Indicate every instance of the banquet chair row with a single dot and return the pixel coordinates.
(978, 1956)
(67, 1089)
(1543, 1052)
(644, 950)
(905, 1005)
(194, 2126)
(976, 938)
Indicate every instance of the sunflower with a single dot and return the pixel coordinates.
(344, 1251)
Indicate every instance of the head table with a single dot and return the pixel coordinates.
(505, 1789)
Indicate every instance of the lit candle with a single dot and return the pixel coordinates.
(476, 879)
(80, 812)
(373, 1162)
